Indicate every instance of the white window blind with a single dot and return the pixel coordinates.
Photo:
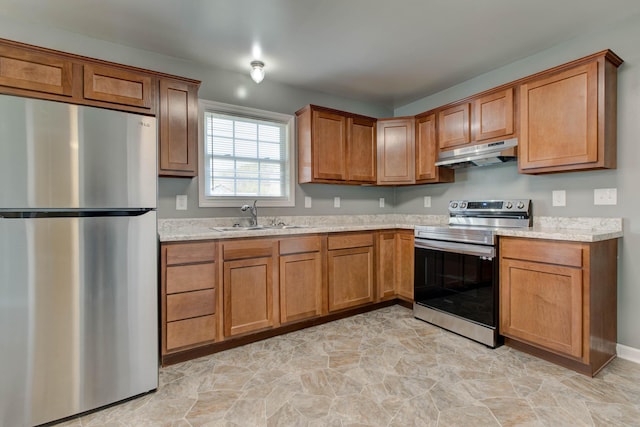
(246, 157)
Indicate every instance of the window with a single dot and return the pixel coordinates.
(246, 154)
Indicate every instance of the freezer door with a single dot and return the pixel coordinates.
(63, 156)
(78, 314)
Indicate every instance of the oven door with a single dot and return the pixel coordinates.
(457, 278)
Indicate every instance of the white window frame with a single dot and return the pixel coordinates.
(253, 113)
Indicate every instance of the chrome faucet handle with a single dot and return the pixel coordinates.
(253, 210)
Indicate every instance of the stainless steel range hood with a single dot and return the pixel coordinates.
(479, 155)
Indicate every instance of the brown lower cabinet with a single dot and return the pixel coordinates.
(219, 294)
(249, 286)
(301, 278)
(188, 295)
(395, 264)
(350, 270)
(558, 300)
(404, 262)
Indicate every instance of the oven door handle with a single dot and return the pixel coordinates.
(458, 248)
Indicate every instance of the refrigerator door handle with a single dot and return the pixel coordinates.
(73, 213)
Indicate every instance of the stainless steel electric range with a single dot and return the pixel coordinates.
(456, 267)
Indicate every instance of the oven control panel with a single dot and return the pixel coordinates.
(493, 206)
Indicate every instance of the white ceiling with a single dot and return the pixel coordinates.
(390, 52)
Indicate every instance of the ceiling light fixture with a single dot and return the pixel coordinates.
(257, 71)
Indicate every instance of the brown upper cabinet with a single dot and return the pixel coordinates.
(568, 117)
(335, 147)
(117, 86)
(426, 146)
(34, 71)
(361, 149)
(481, 118)
(493, 115)
(178, 137)
(37, 72)
(396, 153)
(454, 126)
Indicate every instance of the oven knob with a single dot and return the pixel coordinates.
(509, 205)
(454, 205)
(463, 205)
(520, 205)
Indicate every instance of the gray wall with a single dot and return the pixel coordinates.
(504, 181)
(498, 181)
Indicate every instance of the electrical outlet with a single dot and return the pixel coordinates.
(181, 202)
(336, 202)
(605, 196)
(427, 201)
(382, 202)
(559, 198)
(307, 202)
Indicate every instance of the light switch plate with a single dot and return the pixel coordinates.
(181, 202)
(307, 201)
(605, 196)
(382, 202)
(336, 202)
(427, 201)
(559, 198)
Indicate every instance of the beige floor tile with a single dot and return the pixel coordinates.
(382, 368)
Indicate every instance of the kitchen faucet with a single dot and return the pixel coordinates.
(253, 210)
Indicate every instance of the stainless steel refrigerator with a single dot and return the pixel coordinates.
(78, 259)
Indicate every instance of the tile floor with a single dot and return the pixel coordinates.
(382, 368)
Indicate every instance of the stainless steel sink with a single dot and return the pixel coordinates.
(256, 227)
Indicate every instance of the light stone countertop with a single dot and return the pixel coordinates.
(576, 229)
(214, 228)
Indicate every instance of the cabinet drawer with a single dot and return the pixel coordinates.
(189, 332)
(247, 249)
(343, 241)
(185, 278)
(190, 253)
(117, 86)
(191, 304)
(561, 253)
(297, 245)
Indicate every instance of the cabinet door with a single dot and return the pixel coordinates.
(300, 286)
(427, 153)
(559, 120)
(178, 124)
(34, 71)
(493, 115)
(248, 295)
(542, 305)
(404, 264)
(350, 275)
(118, 86)
(329, 145)
(426, 148)
(361, 150)
(396, 154)
(454, 126)
(386, 268)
